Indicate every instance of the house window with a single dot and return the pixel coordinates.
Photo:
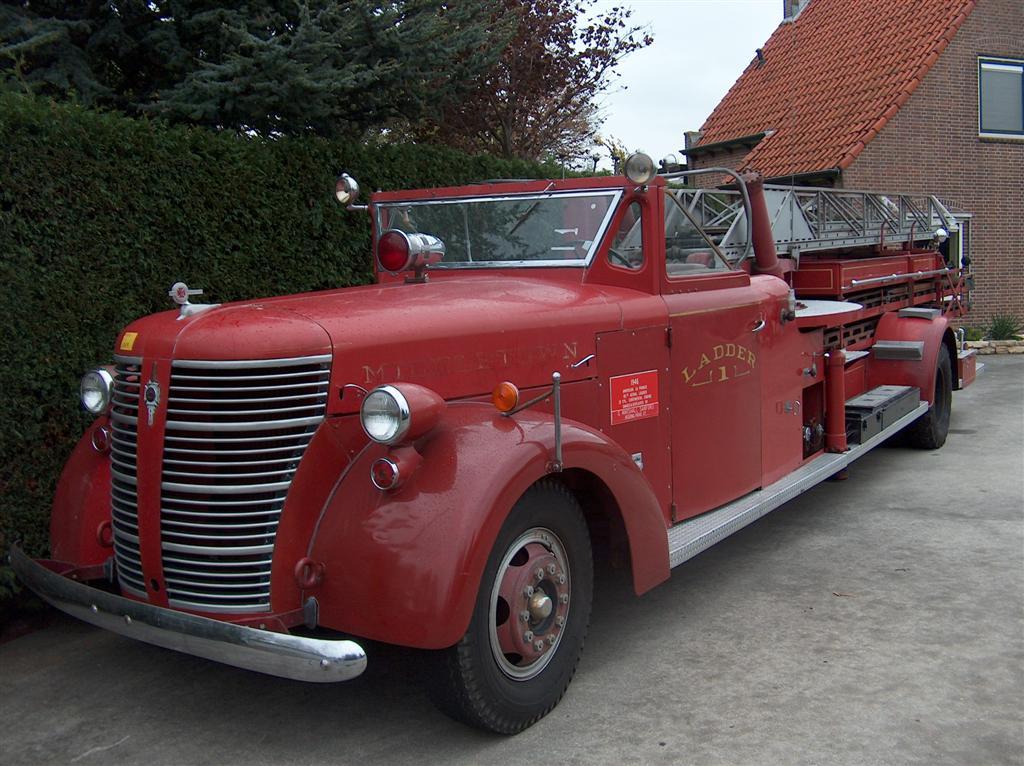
(1001, 97)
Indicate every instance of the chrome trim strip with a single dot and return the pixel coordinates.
(180, 400)
(241, 550)
(259, 425)
(217, 564)
(235, 389)
(235, 364)
(276, 654)
(218, 502)
(215, 464)
(184, 573)
(256, 537)
(239, 452)
(221, 489)
(300, 437)
(122, 477)
(221, 477)
(126, 537)
(235, 413)
(913, 275)
(226, 609)
(139, 592)
(127, 361)
(119, 461)
(263, 593)
(276, 512)
(181, 588)
(244, 400)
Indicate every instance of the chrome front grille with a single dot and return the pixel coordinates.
(124, 416)
(235, 434)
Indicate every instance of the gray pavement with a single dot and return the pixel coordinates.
(878, 620)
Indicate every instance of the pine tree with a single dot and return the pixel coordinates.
(264, 66)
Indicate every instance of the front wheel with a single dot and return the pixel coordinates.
(929, 431)
(526, 634)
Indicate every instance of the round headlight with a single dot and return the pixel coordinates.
(95, 391)
(385, 415)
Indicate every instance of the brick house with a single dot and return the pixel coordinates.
(914, 96)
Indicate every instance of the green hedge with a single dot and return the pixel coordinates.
(99, 214)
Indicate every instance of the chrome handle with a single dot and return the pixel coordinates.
(761, 324)
(583, 361)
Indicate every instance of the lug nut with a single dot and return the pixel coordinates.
(552, 568)
(524, 616)
(561, 579)
(528, 636)
(539, 646)
(564, 598)
(551, 640)
(559, 621)
(539, 574)
(528, 591)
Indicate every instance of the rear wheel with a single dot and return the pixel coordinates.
(526, 634)
(929, 431)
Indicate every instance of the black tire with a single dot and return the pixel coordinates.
(482, 680)
(929, 431)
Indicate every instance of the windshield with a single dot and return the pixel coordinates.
(549, 229)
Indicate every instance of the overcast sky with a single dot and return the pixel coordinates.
(700, 48)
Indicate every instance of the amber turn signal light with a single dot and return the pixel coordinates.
(505, 396)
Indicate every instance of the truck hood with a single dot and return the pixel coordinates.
(458, 334)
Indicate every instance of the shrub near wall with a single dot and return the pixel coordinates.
(100, 214)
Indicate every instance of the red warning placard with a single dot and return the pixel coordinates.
(634, 397)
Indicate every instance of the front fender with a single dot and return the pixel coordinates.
(918, 372)
(404, 566)
(81, 505)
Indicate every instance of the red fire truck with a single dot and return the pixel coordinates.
(544, 375)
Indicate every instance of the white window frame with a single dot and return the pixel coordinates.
(1005, 64)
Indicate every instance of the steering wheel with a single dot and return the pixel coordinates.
(615, 255)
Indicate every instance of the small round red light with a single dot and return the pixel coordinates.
(101, 440)
(105, 534)
(384, 473)
(393, 251)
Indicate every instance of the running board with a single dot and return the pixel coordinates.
(690, 537)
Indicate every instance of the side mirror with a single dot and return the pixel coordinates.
(346, 190)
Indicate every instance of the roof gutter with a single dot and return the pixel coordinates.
(733, 143)
(809, 178)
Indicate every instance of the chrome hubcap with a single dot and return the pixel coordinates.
(540, 606)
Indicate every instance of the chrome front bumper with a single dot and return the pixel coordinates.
(277, 654)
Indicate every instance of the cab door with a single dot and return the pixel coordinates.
(715, 319)
(715, 390)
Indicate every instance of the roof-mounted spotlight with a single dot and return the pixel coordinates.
(639, 168)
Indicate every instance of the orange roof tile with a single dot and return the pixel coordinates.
(831, 79)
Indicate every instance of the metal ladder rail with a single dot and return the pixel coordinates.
(805, 219)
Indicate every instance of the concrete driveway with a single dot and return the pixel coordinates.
(876, 620)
